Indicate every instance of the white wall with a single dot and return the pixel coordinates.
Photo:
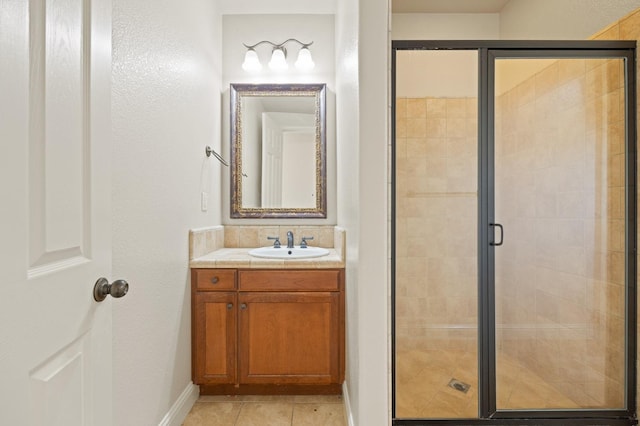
(560, 19)
(364, 205)
(347, 134)
(250, 29)
(445, 26)
(166, 108)
(252, 7)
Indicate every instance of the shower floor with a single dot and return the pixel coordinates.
(422, 391)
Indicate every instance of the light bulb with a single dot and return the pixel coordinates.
(305, 62)
(278, 60)
(251, 61)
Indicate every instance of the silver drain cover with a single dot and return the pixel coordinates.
(459, 386)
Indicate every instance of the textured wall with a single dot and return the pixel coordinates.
(347, 190)
(166, 108)
(372, 214)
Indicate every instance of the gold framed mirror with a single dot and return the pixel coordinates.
(278, 151)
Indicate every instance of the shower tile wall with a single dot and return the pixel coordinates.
(436, 196)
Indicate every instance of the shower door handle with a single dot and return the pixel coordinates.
(497, 225)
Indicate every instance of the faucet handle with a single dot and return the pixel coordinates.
(276, 243)
(303, 243)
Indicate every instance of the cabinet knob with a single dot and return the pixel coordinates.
(243, 306)
(214, 280)
(229, 305)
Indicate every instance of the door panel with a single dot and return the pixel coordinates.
(56, 386)
(55, 340)
(289, 337)
(559, 193)
(215, 362)
(58, 108)
(436, 189)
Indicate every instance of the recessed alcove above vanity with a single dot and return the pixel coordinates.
(262, 324)
(267, 326)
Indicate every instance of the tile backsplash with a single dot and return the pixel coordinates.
(206, 240)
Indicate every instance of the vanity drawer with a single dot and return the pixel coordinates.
(289, 280)
(215, 279)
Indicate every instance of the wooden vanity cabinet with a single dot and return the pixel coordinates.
(283, 332)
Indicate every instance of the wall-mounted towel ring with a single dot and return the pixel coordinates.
(208, 150)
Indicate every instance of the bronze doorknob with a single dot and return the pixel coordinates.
(102, 289)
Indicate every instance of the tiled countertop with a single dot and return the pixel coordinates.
(240, 258)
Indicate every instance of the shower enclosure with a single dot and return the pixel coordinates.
(514, 232)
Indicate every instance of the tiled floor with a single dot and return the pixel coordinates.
(267, 410)
(422, 389)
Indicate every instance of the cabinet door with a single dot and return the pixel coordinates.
(214, 338)
(289, 337)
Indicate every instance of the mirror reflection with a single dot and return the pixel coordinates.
(278, 150)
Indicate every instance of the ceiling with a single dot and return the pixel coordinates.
(447, 6)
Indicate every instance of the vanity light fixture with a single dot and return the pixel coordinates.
(251, 61)
(278, 60)
(305, 62)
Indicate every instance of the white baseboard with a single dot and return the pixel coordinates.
(182, 406)
(347, 403)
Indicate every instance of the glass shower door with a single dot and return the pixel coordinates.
(514, 233)
(436, 192)
(560, 163)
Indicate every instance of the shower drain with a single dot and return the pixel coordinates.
(458, 385)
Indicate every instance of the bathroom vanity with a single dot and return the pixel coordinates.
(268, 330)
(267, 326)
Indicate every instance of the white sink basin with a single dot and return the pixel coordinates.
(288, 253)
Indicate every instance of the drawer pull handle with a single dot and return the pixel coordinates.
(214, 280)
(229, 305)
(243, 306)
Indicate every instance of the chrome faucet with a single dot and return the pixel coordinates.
(289, 239)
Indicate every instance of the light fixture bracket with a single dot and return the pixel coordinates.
(277, 45)
(284, 50)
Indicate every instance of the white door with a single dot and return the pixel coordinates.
(271, 161)
(55, 230)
